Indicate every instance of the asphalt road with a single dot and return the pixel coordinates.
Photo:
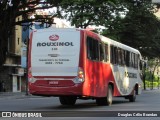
(148, 103)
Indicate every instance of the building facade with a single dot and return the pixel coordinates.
(13, 77)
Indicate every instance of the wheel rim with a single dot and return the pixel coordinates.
(109, 96)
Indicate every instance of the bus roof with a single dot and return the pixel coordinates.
(118, 44)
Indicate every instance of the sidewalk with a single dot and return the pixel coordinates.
(16, 95)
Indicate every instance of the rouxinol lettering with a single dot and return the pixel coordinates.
(55, 44)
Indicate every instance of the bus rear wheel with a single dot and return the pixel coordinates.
(106, 100)
(67, 100)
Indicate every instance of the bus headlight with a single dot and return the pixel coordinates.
(80, 76)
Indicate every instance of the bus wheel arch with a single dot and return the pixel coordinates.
(112, 86)
(109, 97)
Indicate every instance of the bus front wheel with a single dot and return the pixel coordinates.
(132, 98)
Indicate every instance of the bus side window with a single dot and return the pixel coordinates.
(136, 61)
(119, 56)
(92, 49)
(106, 52)
(130, 60)
(101, 51)
(123, 57)
(127, 58)
(112, 54)
(116, 55)
(89, 48)
(133, 60)
(96, 50)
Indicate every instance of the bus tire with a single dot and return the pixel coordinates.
(109, 95)
(67, 100)
(132, 98)
(106, 100)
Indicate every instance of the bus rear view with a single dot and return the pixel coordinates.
(75, 63)
(53, 66)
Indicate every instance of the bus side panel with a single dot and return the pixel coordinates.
(86, 90)
(97, 74)
(98, 77)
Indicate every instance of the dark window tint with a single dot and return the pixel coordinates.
(96, 50)
(92, 49)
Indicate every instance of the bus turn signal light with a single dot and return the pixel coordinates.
(80, 76)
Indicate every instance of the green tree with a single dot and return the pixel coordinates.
(139, 28)
(82, 13)
(10, 10)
